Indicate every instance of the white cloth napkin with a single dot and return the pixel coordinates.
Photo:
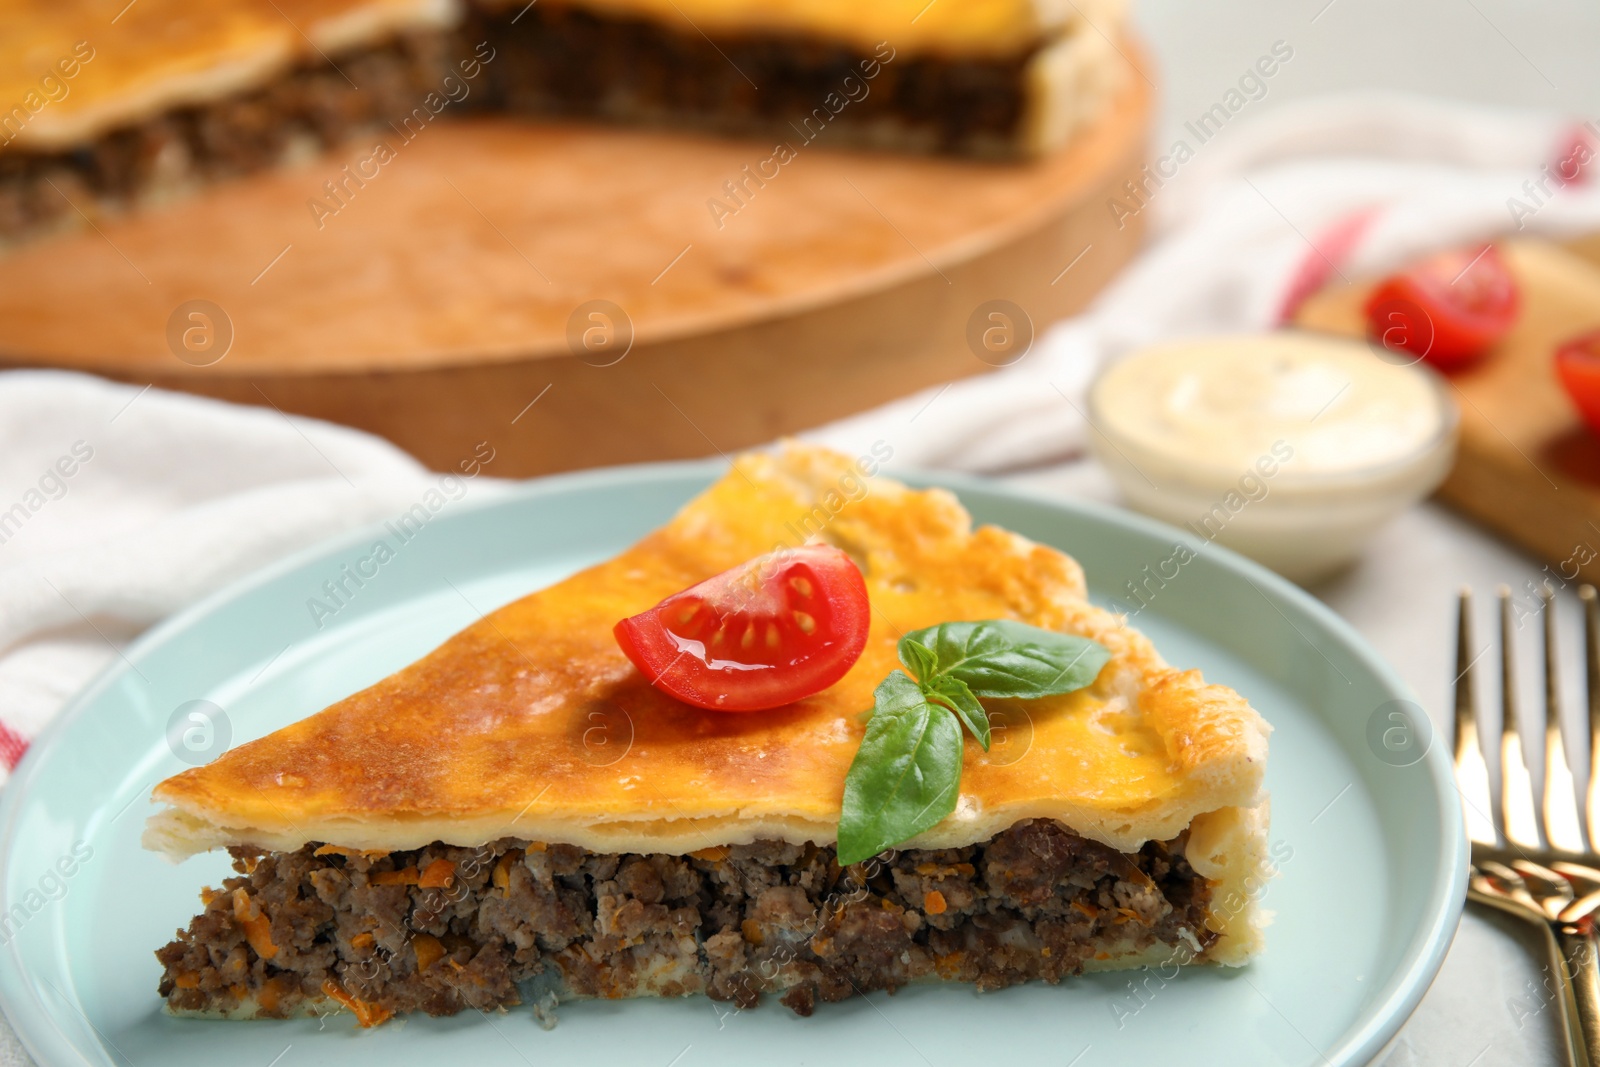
(120, 505)
(1255, 221)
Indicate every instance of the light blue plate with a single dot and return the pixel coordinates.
(1365, 822)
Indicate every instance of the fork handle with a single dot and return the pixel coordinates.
(1582, 970)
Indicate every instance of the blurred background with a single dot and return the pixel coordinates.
(1496, 53)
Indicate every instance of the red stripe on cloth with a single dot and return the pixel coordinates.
(1573, 155)
(1329, 251)
(12, 746)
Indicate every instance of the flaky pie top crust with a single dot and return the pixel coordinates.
(531, 723)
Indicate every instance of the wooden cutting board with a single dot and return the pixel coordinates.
(1528, 467)
(578, 295)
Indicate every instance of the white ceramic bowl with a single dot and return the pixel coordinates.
(1303, 523)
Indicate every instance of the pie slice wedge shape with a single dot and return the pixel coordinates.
(520, 817)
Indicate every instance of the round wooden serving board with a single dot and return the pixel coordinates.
(452, 286)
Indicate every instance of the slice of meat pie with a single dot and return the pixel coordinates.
(522, 815)
(98, 110)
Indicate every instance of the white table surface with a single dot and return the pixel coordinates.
(1486, 1008)
(1521, 53)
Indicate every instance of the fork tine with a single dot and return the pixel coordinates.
(1590, 809)
(1522, 822)
(1560, 807)
(1466, 684)
(1554, 891)
(1585, 881)
(1510, 883)
(1480, 806)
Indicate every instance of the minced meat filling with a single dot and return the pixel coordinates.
(317, 104)
(561, 59)
(442, 928)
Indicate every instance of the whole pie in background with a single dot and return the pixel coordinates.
(108, 108)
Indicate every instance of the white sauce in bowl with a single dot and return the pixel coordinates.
(1223, 403)
(1293, 448)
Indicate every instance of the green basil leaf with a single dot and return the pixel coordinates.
(952, 691)
(906, 775)
(1001, 658)
(919, 659)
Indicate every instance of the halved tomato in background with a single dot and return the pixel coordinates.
(1448, 309)
(768, 632)
(1578, 367)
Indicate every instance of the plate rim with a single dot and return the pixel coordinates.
(1377, 1023)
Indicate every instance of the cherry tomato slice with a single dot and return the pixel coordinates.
(1449, 309)
(766, 633)
(1578, 367)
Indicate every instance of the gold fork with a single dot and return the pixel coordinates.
(1537, 861)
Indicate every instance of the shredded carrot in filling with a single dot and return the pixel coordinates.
(340, 850)
(244, 908)
(440, 874)
(502, 875)
(258, 932)
(934, 903)
(928, 869)
(367, 1014)
(269, 995)
(404, 876)
(187, 981)
(361, 941)
(257, 929)
(428, 949)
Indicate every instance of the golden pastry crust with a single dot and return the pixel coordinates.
(1070, 83)
(163, 54)
(986, 28)
(503, 730)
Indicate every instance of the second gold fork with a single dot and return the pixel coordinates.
(1537, 861)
